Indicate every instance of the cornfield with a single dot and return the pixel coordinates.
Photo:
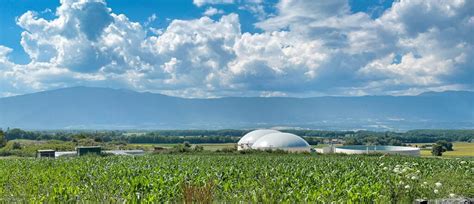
(235, 178)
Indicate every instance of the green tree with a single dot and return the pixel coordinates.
(3, 141)
(447, 146)
(437, 150)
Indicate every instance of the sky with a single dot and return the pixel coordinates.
(219, 48)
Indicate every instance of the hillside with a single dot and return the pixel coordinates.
(103, 108)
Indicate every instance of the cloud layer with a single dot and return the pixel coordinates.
(412, 47)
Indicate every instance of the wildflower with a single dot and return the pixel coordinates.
(385, 168)
(463, 162)
(436, 191)
(396, 170)
(407, 186)
(438, 184)
(418, 171)
(452, 195)
(381, 164)
(404, 170)
(414, 178)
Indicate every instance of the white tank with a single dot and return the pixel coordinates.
(283, 141)
(249, 139)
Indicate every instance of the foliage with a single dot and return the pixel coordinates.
(447, 146)
(437, 150)
(289, 178)
(3, 140)
(232, 136)
(28, 148)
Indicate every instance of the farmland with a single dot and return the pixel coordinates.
(235, 177)
(461, 149)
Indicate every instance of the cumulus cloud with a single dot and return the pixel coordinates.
(212, 11)
(306, 48)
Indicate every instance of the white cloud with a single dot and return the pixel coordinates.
(212, 11)
(306, 48)
(200, 3)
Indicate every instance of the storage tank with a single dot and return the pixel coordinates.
(249, 139)
(362, 149)
(282, 141)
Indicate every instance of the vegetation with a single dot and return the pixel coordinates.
(237, 177)
(437, 150)
(232, 136)
(446, 146)
(3, 141)
(460, 149)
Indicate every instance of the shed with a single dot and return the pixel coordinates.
(83, 150)
(45, 153)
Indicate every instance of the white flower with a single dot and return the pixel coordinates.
(418, 171)
(438, 184)
(436, 191)
(381, 164)
(401, 183)
(385, 168)
(404, 170)
(463, 162)
(407, 186)
(452, 195)
(414, 178)
(396, 170)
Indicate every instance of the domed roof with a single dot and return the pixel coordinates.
(253, 136)
(280, 140)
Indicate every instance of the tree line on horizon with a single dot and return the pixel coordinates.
(232, 136)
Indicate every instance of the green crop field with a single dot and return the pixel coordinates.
(235, 177)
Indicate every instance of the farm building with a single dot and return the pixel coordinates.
(83, 150)
(250, 138)
(281, 141)
(47, 153)
(362, 149)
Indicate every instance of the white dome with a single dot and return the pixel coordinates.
(283, 141)
(249, 139)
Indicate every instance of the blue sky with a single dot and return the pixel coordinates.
(215, 48)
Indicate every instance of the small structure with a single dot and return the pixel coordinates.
(83, 150)
(45, 153)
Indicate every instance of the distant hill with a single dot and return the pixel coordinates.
(104, 108)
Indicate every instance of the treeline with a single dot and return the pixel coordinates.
(232, 136)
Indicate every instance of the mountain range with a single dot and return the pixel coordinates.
(105, 108)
